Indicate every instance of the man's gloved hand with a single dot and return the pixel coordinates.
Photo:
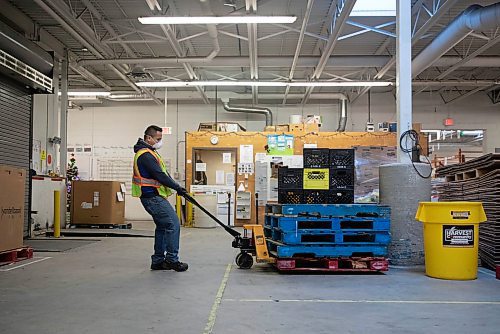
(182, 191)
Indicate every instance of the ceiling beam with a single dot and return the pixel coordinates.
(81, 32)
(464, 61)
(113, 33)
(439, 12)
(251, 8)
(340, 19)
(307, 14)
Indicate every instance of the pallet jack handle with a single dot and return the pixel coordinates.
(228, 229)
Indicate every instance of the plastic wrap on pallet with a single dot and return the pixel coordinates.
(368, 160)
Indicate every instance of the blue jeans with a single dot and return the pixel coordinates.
(167, 230)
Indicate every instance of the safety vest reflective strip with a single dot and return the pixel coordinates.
(138, 181)
(145, 182)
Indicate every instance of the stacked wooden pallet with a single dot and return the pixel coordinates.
(477, 180)
(342, 237)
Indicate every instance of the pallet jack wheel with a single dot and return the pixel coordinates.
(244, 260)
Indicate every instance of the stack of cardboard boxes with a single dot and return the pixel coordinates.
(97, 203)
(13, 181)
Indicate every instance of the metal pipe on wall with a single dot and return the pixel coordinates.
(343, 115)
(250, 110)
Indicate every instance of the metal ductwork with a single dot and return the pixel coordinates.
(474, 18)
(343, 115)
(25, 50)
(250, 110)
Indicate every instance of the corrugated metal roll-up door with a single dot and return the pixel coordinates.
(15, 132)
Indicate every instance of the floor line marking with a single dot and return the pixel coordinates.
(339, 301)
(26, 264)
(218, 299)
(186, 234)
(486, 272)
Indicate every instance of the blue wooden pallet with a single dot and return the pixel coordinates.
(331, 237)
(281, 250)
(335, 210)
(333, 224)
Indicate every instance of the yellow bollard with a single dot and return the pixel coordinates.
(57, 213)
(178, 207)
(189, 214)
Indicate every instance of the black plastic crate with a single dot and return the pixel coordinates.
(341, 178)
(290, 196)
(341, 158)
(290, 178)
(316, 196)
(341, 196)
(316, 157)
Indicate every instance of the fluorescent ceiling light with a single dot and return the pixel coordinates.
(374, 8)
(216, 19)
(90, 93)
(264, 83)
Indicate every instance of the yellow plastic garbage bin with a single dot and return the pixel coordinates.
(451, 238)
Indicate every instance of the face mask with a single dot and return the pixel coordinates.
(158, 144)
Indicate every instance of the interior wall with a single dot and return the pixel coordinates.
(119, 124)
(45, 126)
(214, 162)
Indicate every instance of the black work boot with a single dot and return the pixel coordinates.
(159, 266)
(177, 266)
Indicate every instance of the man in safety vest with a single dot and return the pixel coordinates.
(153, 184)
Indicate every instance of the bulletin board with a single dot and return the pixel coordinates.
(259, 140)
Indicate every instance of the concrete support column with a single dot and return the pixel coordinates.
(64, 116)
(401, 187)
(52, 116)
(403, 72)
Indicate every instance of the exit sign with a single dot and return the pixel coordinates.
(167, 130)
(448, 121)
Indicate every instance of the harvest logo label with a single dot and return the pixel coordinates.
(460, 214)
(458, 235)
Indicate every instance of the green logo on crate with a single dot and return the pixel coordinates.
(458, 235)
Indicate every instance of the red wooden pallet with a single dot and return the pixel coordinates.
(15, 255)
(352, 264)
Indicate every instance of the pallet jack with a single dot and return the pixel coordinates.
(251, 243)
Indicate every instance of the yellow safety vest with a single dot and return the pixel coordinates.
(138, 181)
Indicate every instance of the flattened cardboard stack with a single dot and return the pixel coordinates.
(477, 180)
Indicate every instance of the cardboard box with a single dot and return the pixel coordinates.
(313, 119)
(296, 128)
(312, 127)
(282, 128)
(97, 202)
(270, 128)
(13, 181)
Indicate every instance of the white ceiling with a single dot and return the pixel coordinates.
(145, 41)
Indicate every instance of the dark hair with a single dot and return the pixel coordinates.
(152, 130)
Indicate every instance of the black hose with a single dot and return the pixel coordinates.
(413, 137)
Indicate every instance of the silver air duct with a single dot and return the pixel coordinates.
(474, 18)
(250, 110)
(343, 115)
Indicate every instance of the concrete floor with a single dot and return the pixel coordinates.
(107, 287)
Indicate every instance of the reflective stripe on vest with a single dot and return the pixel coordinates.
(138, 181)
(146, 182)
